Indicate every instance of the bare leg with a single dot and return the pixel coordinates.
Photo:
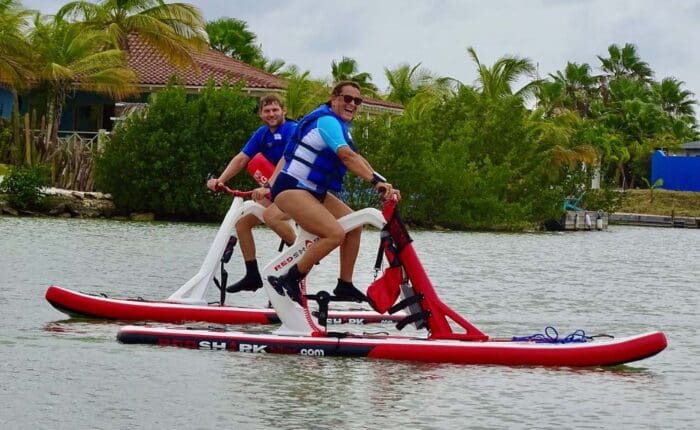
(351, 245)
(244, 228)
(315, 218)
(321, 220)
(278, 222)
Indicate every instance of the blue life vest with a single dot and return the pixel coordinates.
(326, 171)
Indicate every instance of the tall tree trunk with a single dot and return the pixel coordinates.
(50, 115)
(621, 175)
(28, 142)
(54, 110)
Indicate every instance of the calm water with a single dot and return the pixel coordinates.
(66, 374)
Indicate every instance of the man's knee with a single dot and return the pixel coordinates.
(273, 216)
(337, 236)
(246, 223)
(355, 233)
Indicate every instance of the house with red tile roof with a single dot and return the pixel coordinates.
(154, 70)
(89, 112)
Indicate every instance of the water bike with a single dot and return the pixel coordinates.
(188, 303)
(403, 287)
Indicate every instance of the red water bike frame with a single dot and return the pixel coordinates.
(438, 313)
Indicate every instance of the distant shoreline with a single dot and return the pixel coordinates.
(665, 203)
(668, 208)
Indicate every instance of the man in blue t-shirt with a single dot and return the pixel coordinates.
(270, 141)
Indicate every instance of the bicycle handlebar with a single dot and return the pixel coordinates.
(232, 192)
(237, 193)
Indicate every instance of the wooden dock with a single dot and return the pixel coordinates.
(589, 220)
(584, 220)
(655, 220)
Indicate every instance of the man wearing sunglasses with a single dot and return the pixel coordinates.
(315, 163)
(268, 141)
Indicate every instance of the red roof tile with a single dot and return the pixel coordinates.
(152, 68)
(383, 103)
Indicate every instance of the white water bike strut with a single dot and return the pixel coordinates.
(194, 290)
(295, 319)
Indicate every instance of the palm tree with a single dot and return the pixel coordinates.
(678, 106)
(559, 144)
(614, 155)
(275, 67)
(551, 99)
(497, 80)
(232, 37)
(640, 122)
(578, 86)
(406, 82)
(347, 70)
(69, 56)
(14, 49)
(303, 93)
(174, 29)
(15, 60)
(675, 101)
(625, 62)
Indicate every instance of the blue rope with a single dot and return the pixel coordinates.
(551, 335)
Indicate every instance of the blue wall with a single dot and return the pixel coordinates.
(679, 172)
(5, 103)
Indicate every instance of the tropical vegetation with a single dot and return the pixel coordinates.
(174, 29)
(23, 186)
(83, 47)
(233, 37)
(501, 152)
(158, 158)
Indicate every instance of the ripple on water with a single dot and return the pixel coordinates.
(62, 373)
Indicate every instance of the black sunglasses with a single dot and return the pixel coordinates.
(348, 98)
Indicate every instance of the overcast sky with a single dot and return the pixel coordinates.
(382, 34)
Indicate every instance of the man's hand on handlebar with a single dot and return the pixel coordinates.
(214, 184)
(261, 193)
(387, 191)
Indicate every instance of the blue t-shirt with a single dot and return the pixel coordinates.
(270, 144)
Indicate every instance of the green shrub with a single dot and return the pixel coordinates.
(158, 160)
(606, 199)
(23, 185)
(6, 140)
(469, 163)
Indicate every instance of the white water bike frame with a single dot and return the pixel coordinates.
(193, 291)
(295, 320)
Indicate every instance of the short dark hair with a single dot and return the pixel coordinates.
(340, 85)
(269, 100)
(338, 88)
